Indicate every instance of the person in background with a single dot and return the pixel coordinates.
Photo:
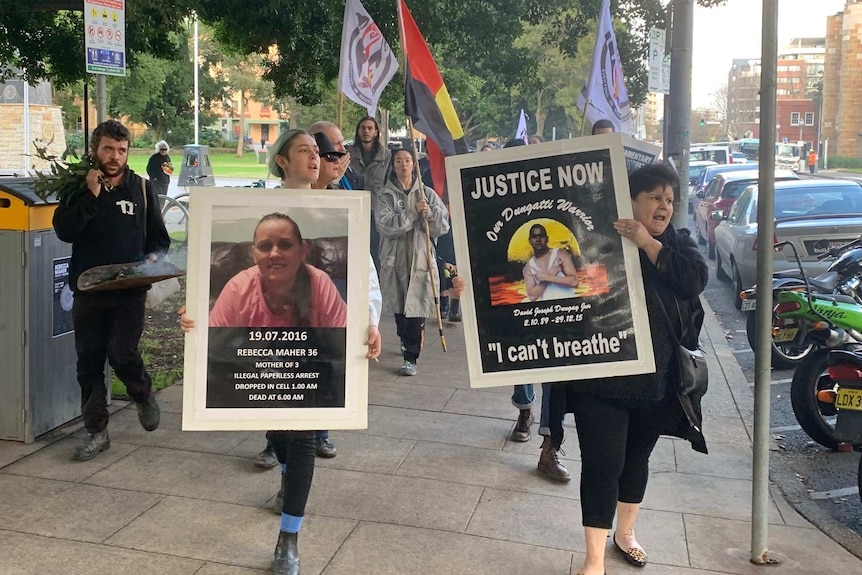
(371, 158)
(603, 127)
(114, 219)
(812, 161)
(619, 419)
(160, 168)
(524, 397)
(408, 264)
(536, 139)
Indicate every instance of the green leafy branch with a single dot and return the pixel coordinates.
(66, 180)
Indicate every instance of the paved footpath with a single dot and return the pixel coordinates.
(433, 487)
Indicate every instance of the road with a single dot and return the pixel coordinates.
(822, 484)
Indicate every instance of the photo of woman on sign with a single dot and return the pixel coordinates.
(280, 290)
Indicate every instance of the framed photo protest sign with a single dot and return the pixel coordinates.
(553, 292)
(277, 329)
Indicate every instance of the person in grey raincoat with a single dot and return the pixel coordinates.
(401, 215)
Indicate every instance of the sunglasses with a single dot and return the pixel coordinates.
(163, 149)
(331, 157)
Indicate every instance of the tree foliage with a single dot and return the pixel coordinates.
(475, 43)
(156, 92)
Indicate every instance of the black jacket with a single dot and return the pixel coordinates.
(113, 228)
(155, 171)
(676, 282)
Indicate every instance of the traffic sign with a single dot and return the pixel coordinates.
(104, 43)
(659, 63)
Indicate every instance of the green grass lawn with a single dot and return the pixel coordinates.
(224, 165)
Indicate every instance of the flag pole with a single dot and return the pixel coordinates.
(340, 108)
(432, 265)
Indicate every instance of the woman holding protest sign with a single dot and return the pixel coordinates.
(619, 419)
(286, 299)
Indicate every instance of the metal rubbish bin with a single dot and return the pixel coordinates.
(196, 169)
(37, 343)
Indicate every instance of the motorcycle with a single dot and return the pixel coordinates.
(844, 276)
(845, 370)
(829, 322)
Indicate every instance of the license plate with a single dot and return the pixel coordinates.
(820, 247)
(785, 335)
(749, 304)
(849, 399)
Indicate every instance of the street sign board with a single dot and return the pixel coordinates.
(656, 56)
(659, 63)
(105, 36)
(665, 74)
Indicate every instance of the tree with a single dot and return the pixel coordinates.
(734, 121)
(156, 92)
(45, 38)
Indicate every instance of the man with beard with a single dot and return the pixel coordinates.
(370, 158)
(114, 219)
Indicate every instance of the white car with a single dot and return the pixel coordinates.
(815, 215)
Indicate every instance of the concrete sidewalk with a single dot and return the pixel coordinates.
(433, 487)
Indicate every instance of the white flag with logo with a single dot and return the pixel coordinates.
(367, 62)
(521, 131)
(605, 96)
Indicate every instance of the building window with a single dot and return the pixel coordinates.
(809, 118)
(794, 118)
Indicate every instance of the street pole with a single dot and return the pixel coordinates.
(197, 96)
(101, 98)
(765, 229)
(679, 135)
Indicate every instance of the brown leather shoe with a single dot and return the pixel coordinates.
(549, 465)
(521, 433)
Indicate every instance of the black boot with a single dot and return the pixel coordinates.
(286, 560)
(455, 310)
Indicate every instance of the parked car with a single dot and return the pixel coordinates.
(695, 169)
(738, 158)
(711, 171)
(816, 215)
(718, 153)
(719, 195)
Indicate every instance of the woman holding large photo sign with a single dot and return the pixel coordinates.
(619, 419)
(283, 291)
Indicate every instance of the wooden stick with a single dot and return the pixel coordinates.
(340, 109)
(432, 263)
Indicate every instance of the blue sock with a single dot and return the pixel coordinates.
(290, 523)
(283, 468)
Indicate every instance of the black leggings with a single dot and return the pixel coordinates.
(296, 450)
(616, 441)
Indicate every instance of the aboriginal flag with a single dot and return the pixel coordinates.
(427, 101)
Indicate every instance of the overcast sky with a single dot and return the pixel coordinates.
(734, 31)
